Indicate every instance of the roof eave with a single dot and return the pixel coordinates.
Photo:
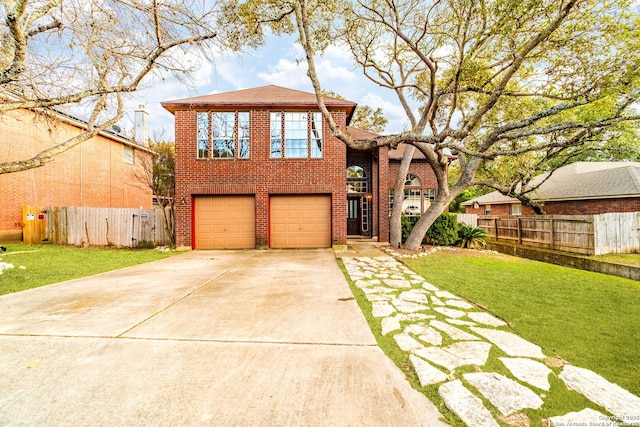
(178, 106)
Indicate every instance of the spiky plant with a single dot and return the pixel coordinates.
(471, 237)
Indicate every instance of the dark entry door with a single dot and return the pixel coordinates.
(353, 216)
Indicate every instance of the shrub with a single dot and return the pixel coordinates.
(407, 223)
(471, 237)
(443, 231)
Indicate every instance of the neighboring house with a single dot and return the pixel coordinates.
(260, 168)
(101, 172)
(582, 188)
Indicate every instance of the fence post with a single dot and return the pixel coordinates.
(553, 237)
(495, 226)
(519, 231)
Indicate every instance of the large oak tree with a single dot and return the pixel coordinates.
(509, 87)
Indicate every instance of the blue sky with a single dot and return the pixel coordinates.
(279, 62)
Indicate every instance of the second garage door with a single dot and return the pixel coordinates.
(225, 222)
(300, 221)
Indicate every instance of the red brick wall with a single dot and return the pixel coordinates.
(382, 195)
(497, 210)
(574, 207)
(419, 168)
(92, 174)
(593, 207)
(260, 175)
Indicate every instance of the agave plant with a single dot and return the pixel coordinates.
(471, 237)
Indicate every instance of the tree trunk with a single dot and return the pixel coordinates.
(395, 223)
(169, 222)
(422, 226)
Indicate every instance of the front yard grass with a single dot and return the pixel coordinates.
(589, 319)
(40, 265)
(625, 259)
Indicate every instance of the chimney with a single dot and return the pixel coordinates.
(141, 126)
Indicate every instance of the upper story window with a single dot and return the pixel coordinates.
(128, 155)
(228, 135)
(357, 181)
(203, 135)
(296, 135)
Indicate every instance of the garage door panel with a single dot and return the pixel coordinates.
(300, 221)
(224, 222)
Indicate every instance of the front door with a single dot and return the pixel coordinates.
(353, 216)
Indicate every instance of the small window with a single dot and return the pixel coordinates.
(127, 155)
(356, 172)
(316, 135)
(515, 209)
(487, 210)
(357, 181)
(244, 145)
(223, 127)
(412, 181)
(203, 135)
(412, 203)
(276, 135)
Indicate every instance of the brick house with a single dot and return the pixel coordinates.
(259, 168)
(100, 172)
(581, 188)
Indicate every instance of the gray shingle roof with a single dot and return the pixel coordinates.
(579, 181)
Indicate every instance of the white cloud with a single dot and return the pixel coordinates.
(332, 65)
(289, 73)
(285, 73)
(393, 112)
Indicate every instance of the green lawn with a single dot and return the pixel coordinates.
(589, 319)
(47, 264)
(627, 259)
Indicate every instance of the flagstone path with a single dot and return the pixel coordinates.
(443, 333)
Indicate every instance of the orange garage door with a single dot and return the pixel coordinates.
(225, 222)
(300, 221)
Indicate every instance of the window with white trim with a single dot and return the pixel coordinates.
(296, 135)
(416, 199)
(203, 135)
(223, 135)
(357, 181)
(223, 126)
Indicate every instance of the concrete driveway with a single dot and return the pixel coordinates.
(225, 338)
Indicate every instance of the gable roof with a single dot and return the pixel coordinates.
(264, 96)
(580, 181)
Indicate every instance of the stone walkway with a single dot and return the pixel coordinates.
(445, 335)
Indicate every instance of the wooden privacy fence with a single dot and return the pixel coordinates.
(102, 226)
(588, 235)
(617, 233)
(470, 219)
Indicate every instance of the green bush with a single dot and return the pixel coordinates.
(443, 231)
(471, 237)
(407, 223)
